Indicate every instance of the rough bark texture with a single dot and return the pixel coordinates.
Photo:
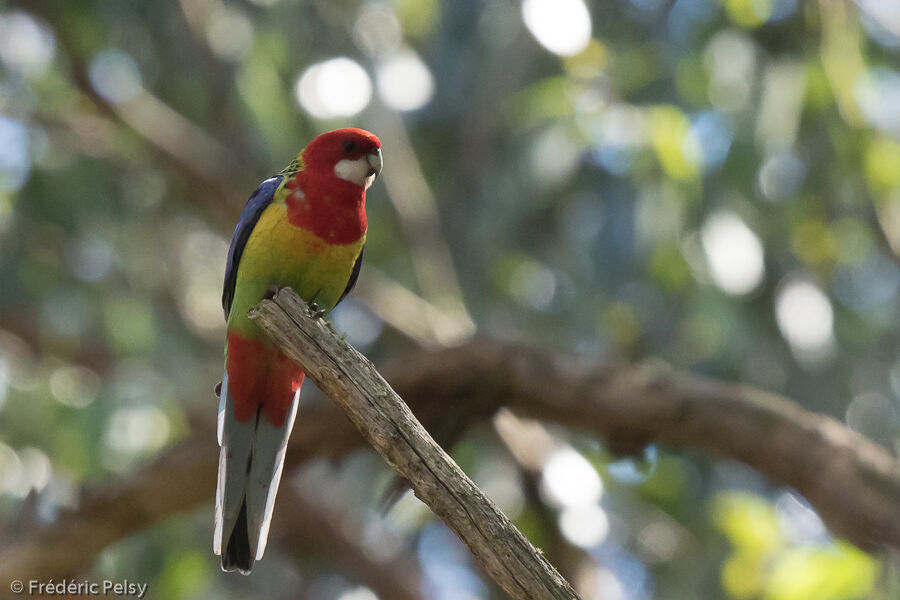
(852, 483)
(382, 417)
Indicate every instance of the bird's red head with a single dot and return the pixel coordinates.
(353, 155)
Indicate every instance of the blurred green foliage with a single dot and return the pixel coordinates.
(708, 185)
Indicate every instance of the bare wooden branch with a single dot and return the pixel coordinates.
(382, 417)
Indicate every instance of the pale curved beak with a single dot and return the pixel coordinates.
(376, 162)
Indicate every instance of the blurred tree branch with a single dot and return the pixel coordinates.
(307, 523)
(186, 148)
(853, 483)
(418, 320)
(418, 212)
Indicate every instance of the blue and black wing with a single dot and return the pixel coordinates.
(255, 206)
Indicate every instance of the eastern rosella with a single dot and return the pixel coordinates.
(304, 228)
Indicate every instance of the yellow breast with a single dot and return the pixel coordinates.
(279, 253)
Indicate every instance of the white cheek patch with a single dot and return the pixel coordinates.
(355, 171)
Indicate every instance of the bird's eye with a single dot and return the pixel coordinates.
(349, 145)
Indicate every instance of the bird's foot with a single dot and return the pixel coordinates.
(315, 312)
(270, 292)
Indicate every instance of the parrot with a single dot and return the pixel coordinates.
(304, 228)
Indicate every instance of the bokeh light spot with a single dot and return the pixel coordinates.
(620, 132)
(22, 471)
(362, 325)
(404, 81)
(882, 20)
(709, 140)
(132, 432)
(377, 30)
(75, 386)
(359, 593)
(89, 258)
(584, 526)
(15, 161)
(555, 156)
(230, 34)
(781, 175)
(805, 316)
(36, 470)
(878, 94)
(338, 87)
(730, 59)
(734, 253)
(569, 480)
(202, 262)
(798, 521)
(561, 26)
(532, 284)
(115, 75)
(26, 45)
